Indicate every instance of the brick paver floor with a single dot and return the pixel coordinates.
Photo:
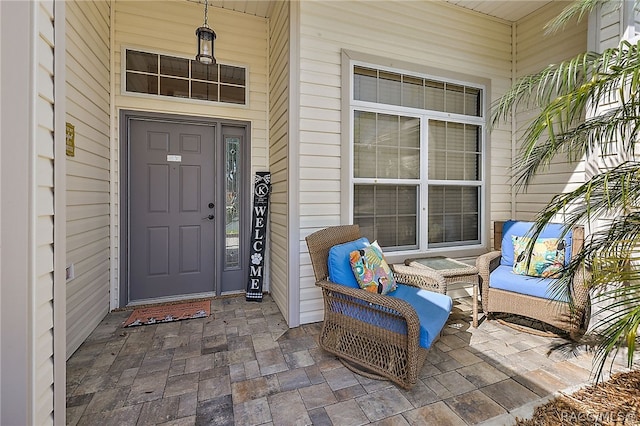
(244, 366)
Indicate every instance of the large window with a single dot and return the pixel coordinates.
(417, 159)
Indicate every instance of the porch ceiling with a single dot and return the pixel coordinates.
(509, 10)
(260, 8)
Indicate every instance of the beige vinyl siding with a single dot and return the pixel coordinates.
(534, 51)
(429, 34)
(44, 212)
(27, 216)
(279, 137)
(636, 20)
(610, 30)
(87, 93)
(611, 25)
(169, 27)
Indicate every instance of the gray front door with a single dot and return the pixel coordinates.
(171, 210)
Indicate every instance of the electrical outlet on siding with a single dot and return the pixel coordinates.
(71, 272)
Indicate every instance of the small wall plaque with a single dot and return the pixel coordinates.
(71, 140)
(174, 158)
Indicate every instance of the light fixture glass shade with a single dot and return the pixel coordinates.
(206, 38)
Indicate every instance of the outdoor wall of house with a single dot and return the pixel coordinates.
(534, 51)
(613, 22)
(27, 215)
(169, 28)
(432, 34)
(88, 110)
(44, 212)
(610, 24)
(279, 74)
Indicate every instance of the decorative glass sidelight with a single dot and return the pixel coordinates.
(232, 202)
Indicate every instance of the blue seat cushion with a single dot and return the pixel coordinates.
(338, 264)
(520, 229)
(503, 278)
(433, 310)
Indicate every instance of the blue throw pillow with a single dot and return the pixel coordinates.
(338, 263)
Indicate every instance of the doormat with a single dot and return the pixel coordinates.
(168, 313)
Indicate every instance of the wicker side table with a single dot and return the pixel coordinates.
(452, 271)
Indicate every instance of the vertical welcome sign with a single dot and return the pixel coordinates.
(261, 191)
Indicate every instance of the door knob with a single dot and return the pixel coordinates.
(210, 217)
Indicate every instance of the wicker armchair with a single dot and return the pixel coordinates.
(366, 344)
(556, 313)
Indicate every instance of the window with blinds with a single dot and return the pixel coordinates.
(417, 173)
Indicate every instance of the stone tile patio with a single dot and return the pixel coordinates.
(243, 366)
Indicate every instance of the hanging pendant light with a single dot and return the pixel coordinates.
(206, 38)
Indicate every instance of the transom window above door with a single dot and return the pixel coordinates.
(163, 75)
(417, 158)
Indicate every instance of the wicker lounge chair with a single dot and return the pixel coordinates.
(556, 313)
(360, 327)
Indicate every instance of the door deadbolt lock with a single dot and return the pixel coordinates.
(211, 205)
(210, 217)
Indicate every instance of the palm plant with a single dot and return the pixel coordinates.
(584, 105)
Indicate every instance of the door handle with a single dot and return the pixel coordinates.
(210, 217)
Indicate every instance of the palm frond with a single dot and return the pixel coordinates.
(539, 89)
(616, 334)
(564, 92)
(589, 106)
(611, 256)
(577, 9)
(604, 195)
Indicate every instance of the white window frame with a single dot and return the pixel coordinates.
(424, 116)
